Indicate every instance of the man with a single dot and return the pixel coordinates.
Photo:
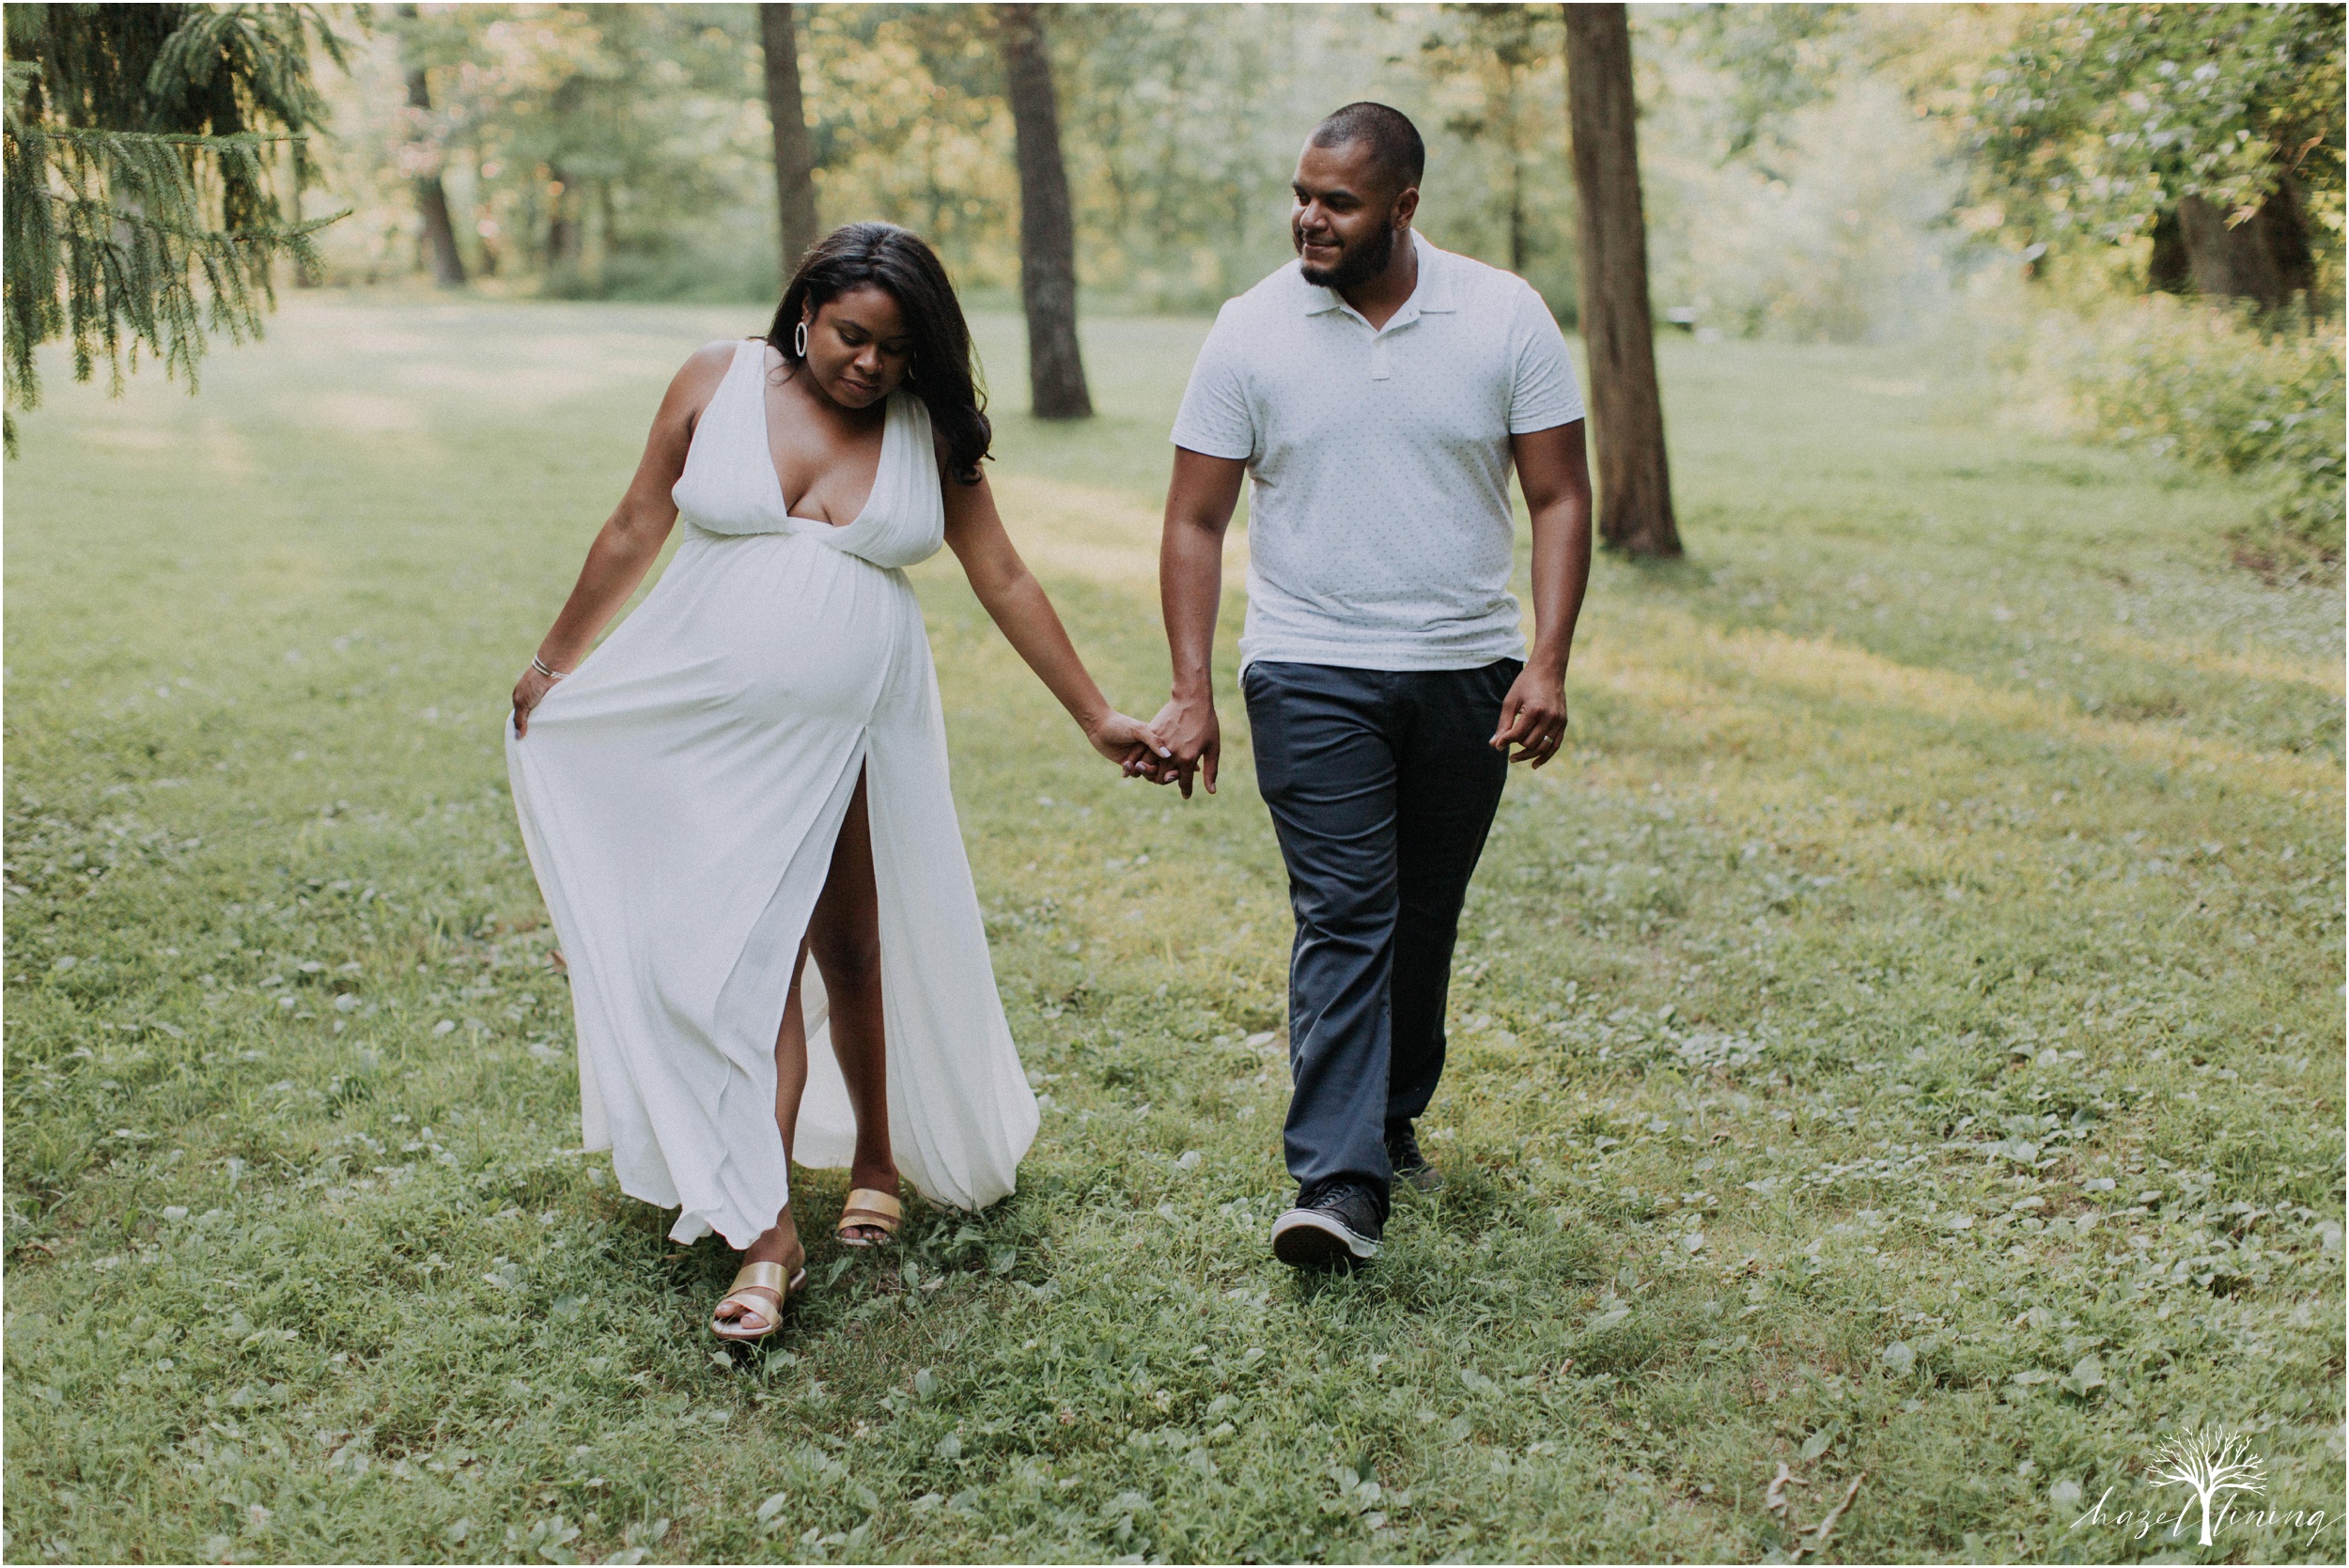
(1376, 392)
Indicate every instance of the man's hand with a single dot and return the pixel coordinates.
(1533, 716)
(1199, 501)
(1555, 475)
(1188, 727)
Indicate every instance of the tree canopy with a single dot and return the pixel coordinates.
(2102, 121)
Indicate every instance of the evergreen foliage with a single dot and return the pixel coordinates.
(145, 145)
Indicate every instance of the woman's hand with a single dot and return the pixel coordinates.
(1133, 745)
(529, 692)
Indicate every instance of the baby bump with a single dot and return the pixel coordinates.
(795, 630)
(755, 630)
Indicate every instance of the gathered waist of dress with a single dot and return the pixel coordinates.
(786, 524)
(837, 539)
(793, 527)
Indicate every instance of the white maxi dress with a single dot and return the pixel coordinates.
(680, 793)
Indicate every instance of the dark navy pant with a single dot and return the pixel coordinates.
(1382, 785)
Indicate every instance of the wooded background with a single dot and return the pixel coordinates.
(2030, 175)
(1813, 171)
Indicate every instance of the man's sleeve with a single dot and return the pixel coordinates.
(1543, 394)
(1217, 417)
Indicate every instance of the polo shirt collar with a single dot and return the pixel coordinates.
(1434, 295)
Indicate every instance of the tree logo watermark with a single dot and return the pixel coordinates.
(2212, 1464)
(2211, 1468)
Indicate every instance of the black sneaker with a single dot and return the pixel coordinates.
(1336, 1225)
(1410, 1165)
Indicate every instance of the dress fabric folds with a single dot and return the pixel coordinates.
(680, 795)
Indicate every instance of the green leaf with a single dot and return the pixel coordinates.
(772, 1506)
(2087, 1373)
(1817, 1444)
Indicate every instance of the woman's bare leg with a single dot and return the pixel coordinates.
(845, 939)
(791, 1056)
(844, 934)
(781, 1243)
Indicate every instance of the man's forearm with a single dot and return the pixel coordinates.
(1191, 590)
(1561, 573)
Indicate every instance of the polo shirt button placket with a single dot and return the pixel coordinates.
(1378, 364)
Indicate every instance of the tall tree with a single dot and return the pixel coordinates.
(140, 178)
(795, 150)
(1048, 229)
(440, 231)
(573, 126)
(1509, 54)
(1635, 500)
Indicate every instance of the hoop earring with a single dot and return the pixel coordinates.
(799, 341)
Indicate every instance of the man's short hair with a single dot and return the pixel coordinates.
(1394, 141)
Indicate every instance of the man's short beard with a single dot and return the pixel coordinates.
(1355, 267)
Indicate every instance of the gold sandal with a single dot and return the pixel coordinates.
(868, 1209)
(768, 1277)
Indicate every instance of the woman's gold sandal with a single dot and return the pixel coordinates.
(869, 1209)
(766, 1277)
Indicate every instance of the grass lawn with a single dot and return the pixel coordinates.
(1902, 1036)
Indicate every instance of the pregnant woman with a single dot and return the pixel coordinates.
(753, 769)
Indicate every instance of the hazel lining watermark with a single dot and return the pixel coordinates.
(2214, 1467)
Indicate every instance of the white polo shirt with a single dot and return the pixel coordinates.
(1379, 532)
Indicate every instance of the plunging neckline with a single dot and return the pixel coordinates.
(774, 472)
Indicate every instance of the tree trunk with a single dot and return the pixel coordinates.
(1516, 169)
(562, 228)
(440, 233)
(1635, 503)
(2266, 258)
(795, 151)
(1048, 231)
(2169, 271)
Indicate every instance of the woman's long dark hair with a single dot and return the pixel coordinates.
(883, 256)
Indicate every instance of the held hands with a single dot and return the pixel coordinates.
(1532, 716)
(1193, 739)
(1133, 745)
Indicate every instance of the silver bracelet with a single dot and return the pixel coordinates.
(540, 665)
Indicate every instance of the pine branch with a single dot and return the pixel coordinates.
(110, 245)
(139, 203)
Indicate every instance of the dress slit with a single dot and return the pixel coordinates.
(758, 988)
(827, 1138)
